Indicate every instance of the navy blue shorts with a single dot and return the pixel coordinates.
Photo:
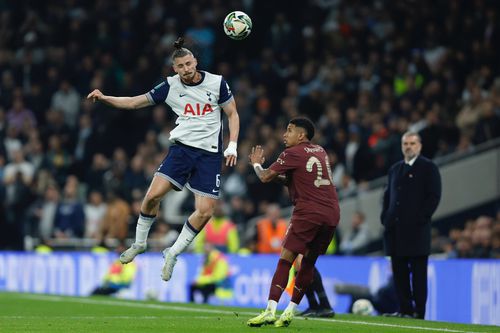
(194, 168)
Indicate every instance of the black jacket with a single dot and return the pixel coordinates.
(410, 198)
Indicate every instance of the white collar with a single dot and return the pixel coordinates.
(410, 162)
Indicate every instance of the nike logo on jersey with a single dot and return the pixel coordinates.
(182, 95)
(215, 191)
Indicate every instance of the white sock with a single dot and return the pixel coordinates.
(144, 223)
(271, 306)
(291, 307)
(187, 235)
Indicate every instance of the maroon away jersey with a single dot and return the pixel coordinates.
(312, 191)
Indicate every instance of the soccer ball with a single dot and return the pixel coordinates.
(151, 294)
(237, 25)
(363, 307)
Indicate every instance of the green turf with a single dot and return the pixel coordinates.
(44, 313)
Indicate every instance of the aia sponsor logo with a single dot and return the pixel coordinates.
(197, 109)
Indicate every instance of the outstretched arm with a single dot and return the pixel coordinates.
(135, 102)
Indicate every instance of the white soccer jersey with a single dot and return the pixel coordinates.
(198, 107)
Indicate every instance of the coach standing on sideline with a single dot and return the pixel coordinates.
(412, 195)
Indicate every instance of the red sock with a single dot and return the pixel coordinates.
(303, 280)
(280, 280)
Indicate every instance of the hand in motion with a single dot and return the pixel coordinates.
(231, 154)
(257, 155)
(95, 95)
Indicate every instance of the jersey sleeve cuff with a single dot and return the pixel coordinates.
(226, 102)
(150, 98)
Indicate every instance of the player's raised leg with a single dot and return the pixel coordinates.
(149, 209)
(204, 207)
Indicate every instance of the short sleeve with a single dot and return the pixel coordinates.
(225, 94)
(159, 93)
(288, 160)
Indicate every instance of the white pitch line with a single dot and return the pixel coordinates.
(125, 303)
(101, 317)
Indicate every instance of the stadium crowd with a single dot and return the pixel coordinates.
(364, 72)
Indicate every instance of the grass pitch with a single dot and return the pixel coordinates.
(46, 313)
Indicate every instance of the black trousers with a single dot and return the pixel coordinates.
(104, 291)
(205, 290)
(410, 280)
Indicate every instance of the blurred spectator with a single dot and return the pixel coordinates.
(55, 126)
(95, 211)
(12, 142)
(241, 210)
(42, 212)
(17, 181)
(214, 275)
(18, 167)
(338, 169)
(2, 171)
(94, 176)
(86, 144)
(135, 177)
(281, 33)
(346, 187)
(115, 221)
(357, 237)
(463, 248)
(34, 151)
(163, 235)
(359, 160)
(18, 116)
(235, 184)
(481, 237)
(220, 232)
(488, 126)
(203, 38)
(114, 178)
(57, 159)
(44, 247)
(495, 241)
(118, 276)
(70, 217)
(173, 206)
(468, 116)
(67, 100)
(17, 198)
(271, 230)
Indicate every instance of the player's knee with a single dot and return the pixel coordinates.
(205, 214)
(152, 199)
(205, 208)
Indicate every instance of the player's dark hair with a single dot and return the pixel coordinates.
(180, 51)
(306, 124)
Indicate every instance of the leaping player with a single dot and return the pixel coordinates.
(195, 158)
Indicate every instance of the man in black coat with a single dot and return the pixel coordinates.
(412, 195)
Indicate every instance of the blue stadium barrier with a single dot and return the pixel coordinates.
(466, 291)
